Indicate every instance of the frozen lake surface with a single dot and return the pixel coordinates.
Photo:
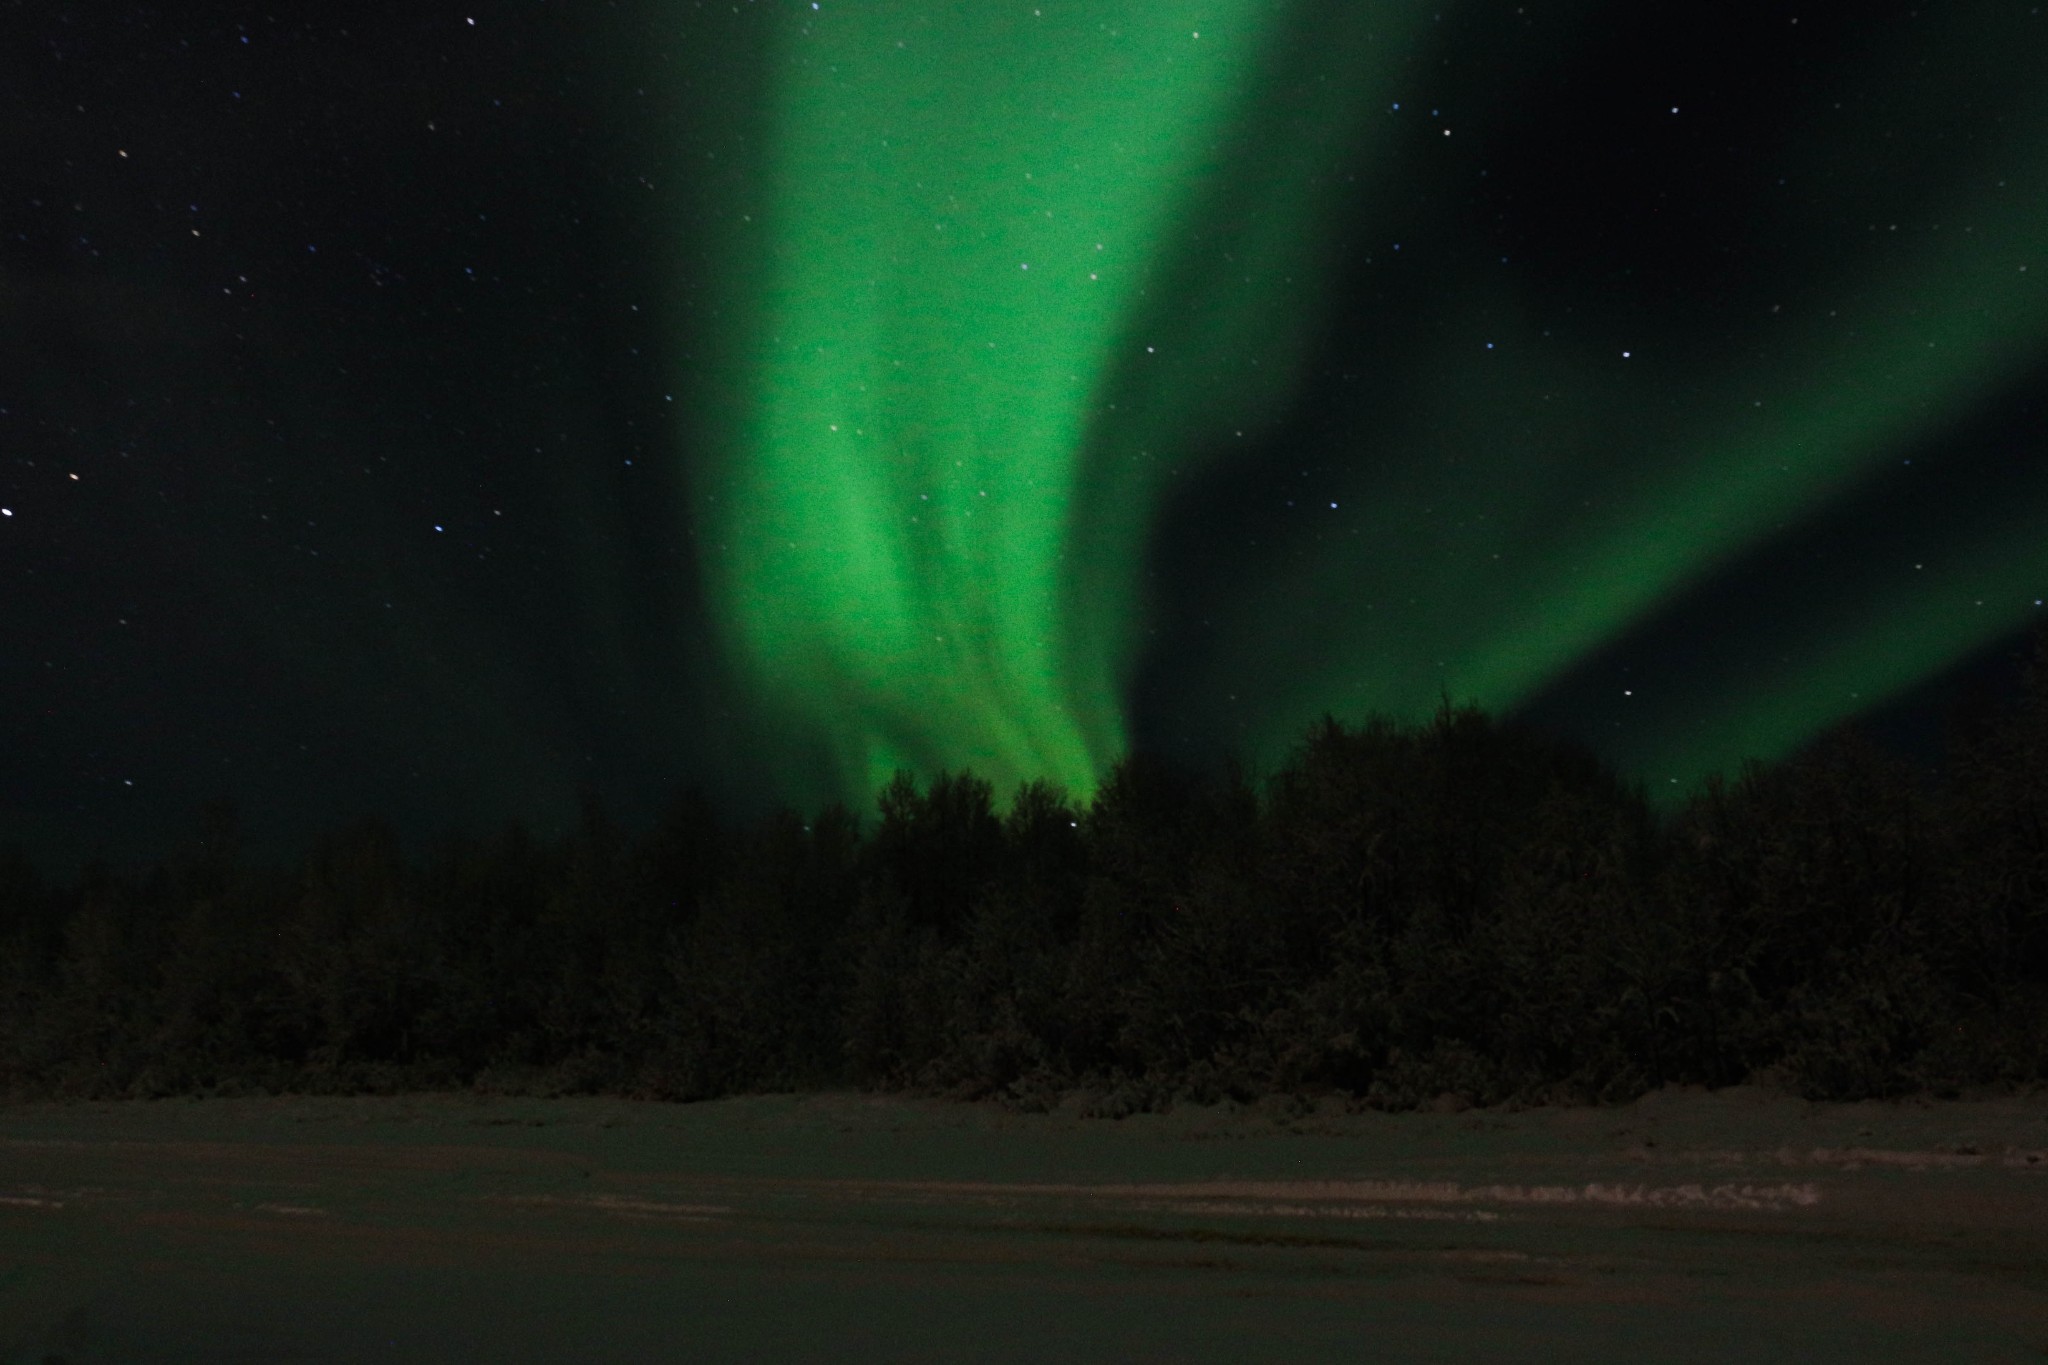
(1687, 1226)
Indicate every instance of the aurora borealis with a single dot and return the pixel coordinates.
(1029, 266)
(443, 410)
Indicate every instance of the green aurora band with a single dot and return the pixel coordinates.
(1017, 270)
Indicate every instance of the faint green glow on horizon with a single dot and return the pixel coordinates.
(1018, 268)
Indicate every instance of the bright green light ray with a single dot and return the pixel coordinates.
(970, 205)
(966, 200)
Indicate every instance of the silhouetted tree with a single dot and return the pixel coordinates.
(938, 850)
(1809, 890)
(1995, 944)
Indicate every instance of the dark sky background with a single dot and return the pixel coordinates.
(339, 347)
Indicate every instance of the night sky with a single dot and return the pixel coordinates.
(438, 411)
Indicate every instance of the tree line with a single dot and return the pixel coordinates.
(1456, 908)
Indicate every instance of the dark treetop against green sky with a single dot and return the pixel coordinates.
(433, 409)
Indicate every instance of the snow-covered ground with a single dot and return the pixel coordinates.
(1738, 1225)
